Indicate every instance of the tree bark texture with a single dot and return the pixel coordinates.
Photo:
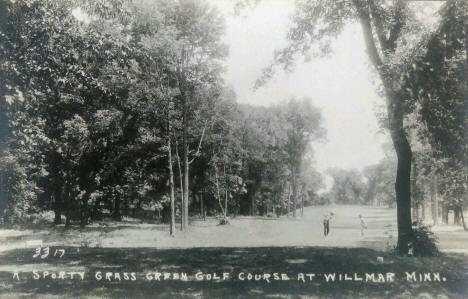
(434, 202)
(171, 182)
(387, 43)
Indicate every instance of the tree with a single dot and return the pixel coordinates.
(437, 82)
(302, 123)
(197, 28)
(61, 76)
(348, 186)
(158, 81)
(387, 28)
(380, 177)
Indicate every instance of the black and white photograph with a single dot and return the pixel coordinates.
(234, 149)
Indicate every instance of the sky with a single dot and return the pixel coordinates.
(340, 85)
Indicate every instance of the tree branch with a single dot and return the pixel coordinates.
(363, 13)
(197, 153)
(396, 29)
(378, 25)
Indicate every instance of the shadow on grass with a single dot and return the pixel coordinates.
(288, 260)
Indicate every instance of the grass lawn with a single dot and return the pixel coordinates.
(258, 260)
(247, 245)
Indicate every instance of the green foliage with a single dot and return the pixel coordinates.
(423, 241)
(99, 90)
(437, 84)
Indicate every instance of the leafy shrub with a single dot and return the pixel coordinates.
(223, 221)
(424, 241)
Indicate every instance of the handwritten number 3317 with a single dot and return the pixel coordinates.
(44, 252)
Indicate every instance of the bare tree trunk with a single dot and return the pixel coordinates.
(186, 184)
(217, 189)
(185, 150)
(68, 199)
(204, 208)
(225, 205)
(456, 216)
(294, 190)
(201, 205)
(252, 208)
(67, 204)
(171, 181)
(58, 205)
(181, 178)
(302, 206)
(68, 218)
(465, 23)
(414, 190)
(423, 204)
(423, 209)
(435, 204)
(289, 201)
(462, 218)
(226, 193)
(445, 212)
(117, 215)
(84, 210)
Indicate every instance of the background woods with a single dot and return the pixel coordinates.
(116, 108)
(116, 116)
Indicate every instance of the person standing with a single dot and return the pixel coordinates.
(363, 224)
(326, 223)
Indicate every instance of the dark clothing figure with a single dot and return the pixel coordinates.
(326, 224)
(326, 227)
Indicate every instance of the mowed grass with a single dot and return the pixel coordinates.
(259, 260)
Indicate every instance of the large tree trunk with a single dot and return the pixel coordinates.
(403, 195)
(395, 113)
(403, 178)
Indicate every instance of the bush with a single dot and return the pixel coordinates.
(223, 221)
(424, 242)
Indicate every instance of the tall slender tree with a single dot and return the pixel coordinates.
(387, 27)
